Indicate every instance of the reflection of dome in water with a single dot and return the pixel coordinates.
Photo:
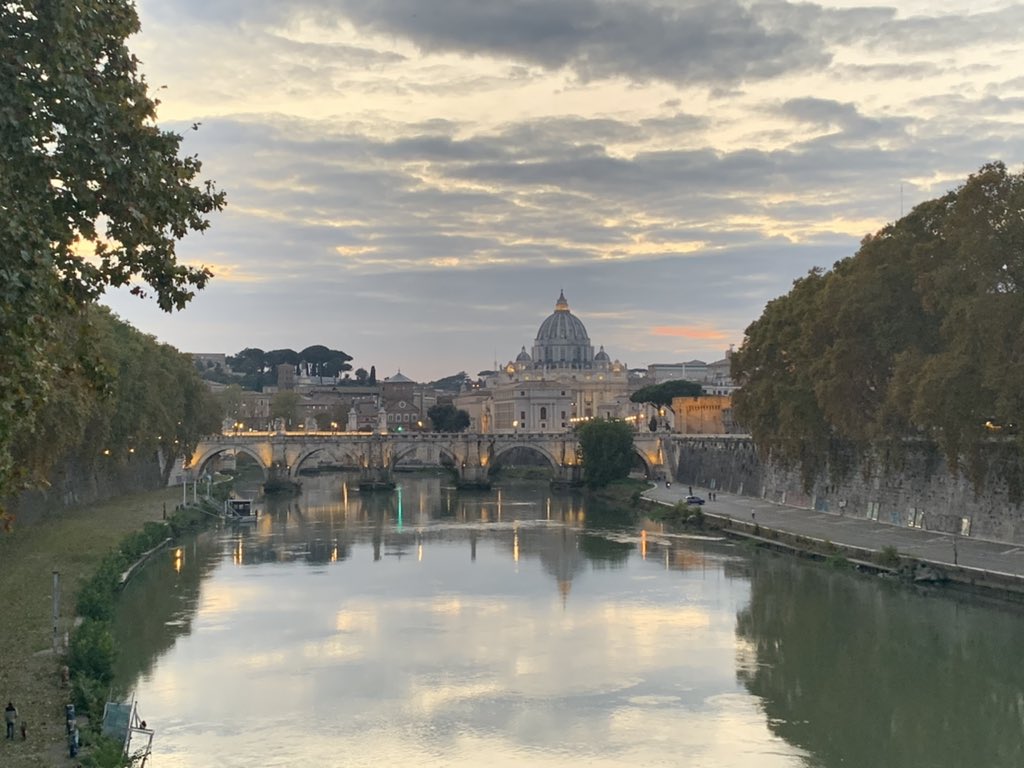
(562, 339)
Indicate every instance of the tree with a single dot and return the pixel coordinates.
(453, 383)
(336, 364)
(285, 405)
(447, 418)
(917, 334)
(361, 376)
(662, 394)
(231, 401)
(250, 360)
(93, 193)
(607, 448)
(372, 380)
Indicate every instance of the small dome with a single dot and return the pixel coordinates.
(602, 356)
(524, 357)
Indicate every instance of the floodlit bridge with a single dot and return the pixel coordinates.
(282, 455)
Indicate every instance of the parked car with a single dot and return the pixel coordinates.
(694, 500)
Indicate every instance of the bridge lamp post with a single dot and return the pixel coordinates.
(515, 426)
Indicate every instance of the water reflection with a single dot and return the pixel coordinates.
(859, 674)
(437, 628)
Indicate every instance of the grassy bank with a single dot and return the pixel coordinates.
(73, 542)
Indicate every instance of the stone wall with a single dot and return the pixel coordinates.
(76, 482)
(914, 488)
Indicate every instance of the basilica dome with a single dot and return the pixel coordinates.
(562, 340)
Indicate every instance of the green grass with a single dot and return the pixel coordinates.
(73, 542)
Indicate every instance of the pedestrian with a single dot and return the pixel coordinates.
(11, 716)
(24, 731)
(73, 742)
(689, 490)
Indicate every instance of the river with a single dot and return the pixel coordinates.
(519, 627)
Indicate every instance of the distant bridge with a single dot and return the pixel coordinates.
(282, 455)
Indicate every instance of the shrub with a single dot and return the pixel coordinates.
(889, 557)
(92, 651)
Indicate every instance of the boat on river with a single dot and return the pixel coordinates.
(240, 511)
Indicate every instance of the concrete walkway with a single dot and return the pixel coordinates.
(971, 554)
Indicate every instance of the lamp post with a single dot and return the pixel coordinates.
(515, 426)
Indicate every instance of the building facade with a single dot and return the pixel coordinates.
(560, 382)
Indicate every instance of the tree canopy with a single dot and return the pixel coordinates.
(92, 195)
(451, 383)
(447, 418)
(258, 367)
(607, 448)
(920, 333)
(662, 394)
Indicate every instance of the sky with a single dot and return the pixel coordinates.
(414, 181)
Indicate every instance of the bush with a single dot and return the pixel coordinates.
(889, 557)
(92, 651)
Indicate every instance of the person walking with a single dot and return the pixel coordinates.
(11, 716)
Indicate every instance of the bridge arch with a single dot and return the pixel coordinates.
(648, 464)
(341, 458)
(499, 451)
(402, 451)
(198, 465)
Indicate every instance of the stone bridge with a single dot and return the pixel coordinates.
(281, 455)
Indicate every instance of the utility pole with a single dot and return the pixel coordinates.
(56, 612)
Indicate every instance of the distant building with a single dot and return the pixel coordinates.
(694, 370)
(560, 382)
(703, 415)
(401, 403)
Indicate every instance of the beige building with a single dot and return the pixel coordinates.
(704, 415)
(560, 382)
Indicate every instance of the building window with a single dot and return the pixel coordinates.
(522, 416)
(543, 414)
(563, 417)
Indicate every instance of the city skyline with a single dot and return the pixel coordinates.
(414, 184)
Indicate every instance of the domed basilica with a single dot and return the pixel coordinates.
(559, 382)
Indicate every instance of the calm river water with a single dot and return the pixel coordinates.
(518, 627)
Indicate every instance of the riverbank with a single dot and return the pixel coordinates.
(71, 541)
(990, 569)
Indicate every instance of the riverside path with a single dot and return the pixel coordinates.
(971, 554)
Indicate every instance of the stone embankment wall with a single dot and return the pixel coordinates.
(78, 482)
(915, 488)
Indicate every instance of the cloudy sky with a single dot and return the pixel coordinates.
(413, 181)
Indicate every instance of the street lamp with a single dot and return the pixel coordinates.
(515, 426)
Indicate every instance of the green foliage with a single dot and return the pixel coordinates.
(889, 557)
(285, 405)
(447, 418)
(93, 195)
(679, 514)
(105, 752)
(918, 334)
(607, 448)
(451, 383)
(92, 651)
(662, 394)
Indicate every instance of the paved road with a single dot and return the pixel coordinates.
(991, 556)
